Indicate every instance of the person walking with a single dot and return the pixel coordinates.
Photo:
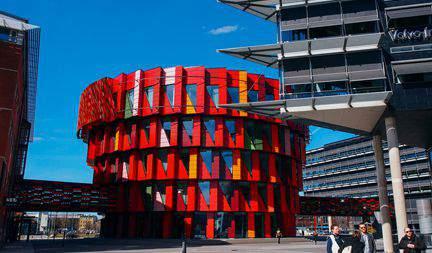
(278, 235)
(367, 239)
(411, 243)
(315, 237)
(335, 243)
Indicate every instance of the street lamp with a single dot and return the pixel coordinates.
(180, 192)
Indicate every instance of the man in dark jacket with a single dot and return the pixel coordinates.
(411, 243)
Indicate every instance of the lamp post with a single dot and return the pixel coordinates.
(180, 192)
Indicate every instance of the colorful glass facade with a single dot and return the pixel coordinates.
(179, 160)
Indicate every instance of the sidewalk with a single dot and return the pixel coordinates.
(19, 246)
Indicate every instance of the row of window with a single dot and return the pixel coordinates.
(321, 172)
(224, 224)
(330, 31)
(218, 164)
(341, 154)
(155, 194)
(191, 93)
(361, 180)
(256, 135)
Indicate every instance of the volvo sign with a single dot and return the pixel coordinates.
(407, 35)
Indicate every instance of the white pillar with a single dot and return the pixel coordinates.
(329, 222)
(382, 194)
(396, 176)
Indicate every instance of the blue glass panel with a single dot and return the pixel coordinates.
(213, 91)
(234, 94)
(191, 91)
(170, 92)
(149, 93)
(188, 126)
(210, 125)
(252, 96)
(228, 159)
(207, 157)
(230, 125)
(205, 190)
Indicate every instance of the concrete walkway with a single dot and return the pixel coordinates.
(288, 245)
(21, 247)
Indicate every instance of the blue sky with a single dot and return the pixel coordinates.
(83, 41)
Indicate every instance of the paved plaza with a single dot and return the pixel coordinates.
(166, 246)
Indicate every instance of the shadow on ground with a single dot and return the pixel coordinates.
(94, 245)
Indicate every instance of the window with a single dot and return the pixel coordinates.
(323, 32)
(166, 132)
(204, 187)
(227, 188)
(369, 86)
(146, 128)
(129, 103)
(244, 188)
(210, 126)
(359, 28)
(330, 88)
(240, 225)
(222, 224)
(184, 156)
(144, 161)
(148, 197)
(247, 159)
(259, 225)
(199, 225)
(295, 35)
(170, 93)
(149, 94)
(213, 91)
(188, 126)
(207, 158)
(160, 197)
(182, 187)
(227, 157)
(233, 95)
(288, 14)
(253, 136)
(253, 96)
(163, 157)
(191, 93)
(230, 125)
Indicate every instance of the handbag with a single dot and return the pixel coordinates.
(347, 249)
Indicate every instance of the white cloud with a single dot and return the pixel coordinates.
(224, 29)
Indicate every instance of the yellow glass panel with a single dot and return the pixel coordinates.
(243, 89)
(193, 166)
(190, 109)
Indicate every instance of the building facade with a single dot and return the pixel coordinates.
(179, 160)
(347, 169)
(347, 65)
(19, 47)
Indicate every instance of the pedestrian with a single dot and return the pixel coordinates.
(411, 243)
(355, 245)
(278, 235)
(315, 236)
(335, 243)
(367, 239)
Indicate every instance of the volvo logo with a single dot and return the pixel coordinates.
(406, 34)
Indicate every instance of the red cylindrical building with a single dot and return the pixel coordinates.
(179, 161)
